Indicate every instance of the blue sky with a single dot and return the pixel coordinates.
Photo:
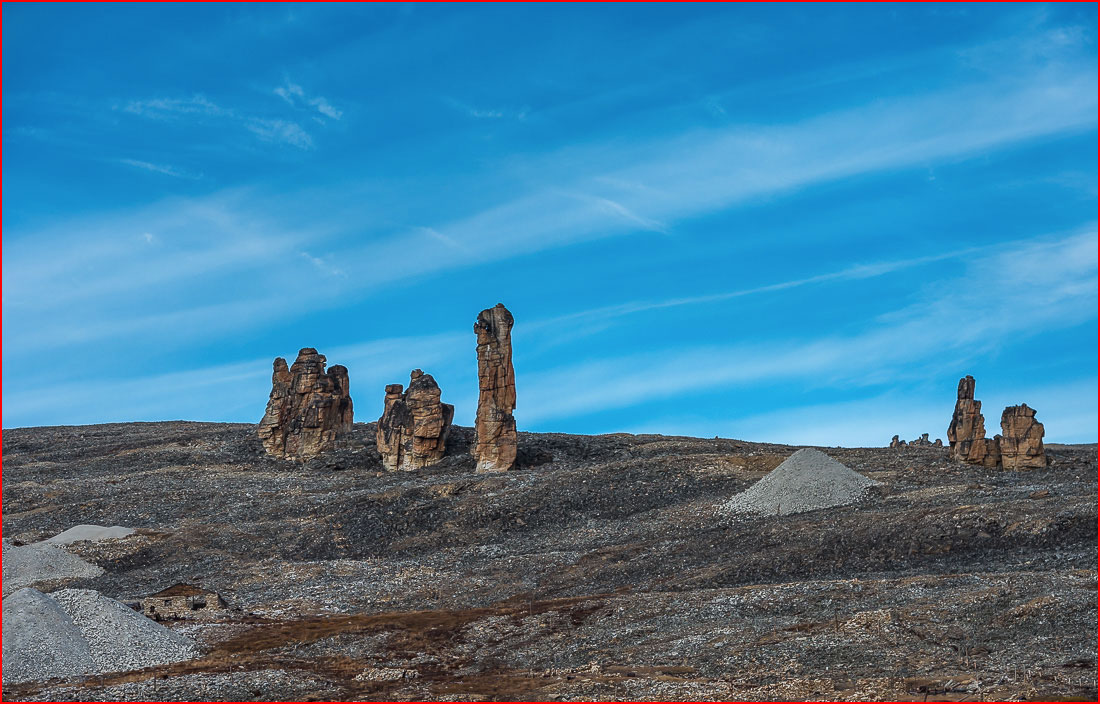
(787, 223)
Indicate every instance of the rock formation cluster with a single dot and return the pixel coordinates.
(922, 441)
(1021, 439)
(309, 408)
(1020, 446)
(412, 431)
(495, 447)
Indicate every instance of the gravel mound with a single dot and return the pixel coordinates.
(120, 638)
(89, 532)
(40, 640)
(25, 565)
(806, 481)
(76, 632)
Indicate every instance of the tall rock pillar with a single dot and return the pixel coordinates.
(495, 447)
(966, 434)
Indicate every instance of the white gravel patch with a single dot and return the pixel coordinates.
(89, 532)
(806, 481)
(75, 632)
(24, 565)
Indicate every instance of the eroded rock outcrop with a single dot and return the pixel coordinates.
(966, 434)
(1021, 439)
(309, 408)
(922, 441)
(495, 447)
(413, 429)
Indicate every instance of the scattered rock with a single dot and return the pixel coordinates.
(24, 565)
(386, 674)
(89, 532)
(309, 409)
(413, 429)
(495, 449)
(807, 480)
(1021, 439)
(966, 434)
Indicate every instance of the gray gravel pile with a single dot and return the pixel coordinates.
(806, 481)
(25, 565)
(120, 638)
(40, 640)
(89, 532)
(75, 632)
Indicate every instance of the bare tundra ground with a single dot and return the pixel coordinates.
(598, 569)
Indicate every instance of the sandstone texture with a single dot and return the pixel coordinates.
(495, 449)
(309, 408)
(1021, 439)
(966, 434)
(412, 431)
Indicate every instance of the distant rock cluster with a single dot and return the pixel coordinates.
(412, 432)
(1020, 445)
(309, 408)
(922, 441)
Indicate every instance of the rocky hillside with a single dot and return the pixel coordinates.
(600, 567)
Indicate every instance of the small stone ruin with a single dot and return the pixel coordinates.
(413, 429)
(495, 447)
(309, 409)
(1020, 446)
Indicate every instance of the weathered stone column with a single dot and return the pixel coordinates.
(413, 429)
(308, 410)
(495, 447)
(967, 430)
(1021, 439)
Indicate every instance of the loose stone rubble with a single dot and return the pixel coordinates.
(495, 449)
(309, 409)
(1021, 439)
(966, 434)
(25, 565)
(413, 429)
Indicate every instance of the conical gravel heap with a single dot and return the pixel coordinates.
(806, 481)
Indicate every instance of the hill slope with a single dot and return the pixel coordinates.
(600, 568)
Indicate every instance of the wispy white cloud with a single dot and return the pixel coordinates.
(488, 114)
(851, 273)
(279, 131)
(268, 129)
(322, 265)
(295, 95)
(174, 107)
(159, 168)
(1020, 291)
